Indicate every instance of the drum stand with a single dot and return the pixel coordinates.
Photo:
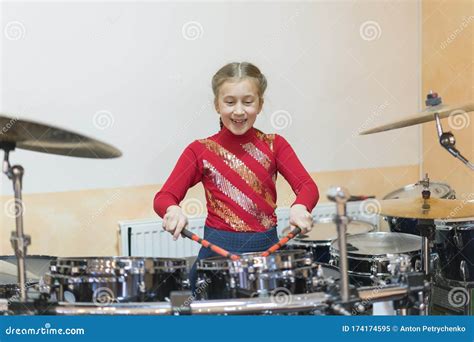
(426, 228)
(341, 195)
(18, 239)
(403, 297)
(427, 232)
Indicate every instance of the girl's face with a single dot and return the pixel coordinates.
(238, 104)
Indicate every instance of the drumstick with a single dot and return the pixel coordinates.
(282, 242)
(207, 244)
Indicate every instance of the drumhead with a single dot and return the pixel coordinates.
(438, 190)
(282, 253)
(36, 265)
(9, 274)
(325, 230)
(113, 265)
(380, 243)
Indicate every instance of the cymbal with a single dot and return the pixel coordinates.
(425, 116)
(35, 136)
(437, 208)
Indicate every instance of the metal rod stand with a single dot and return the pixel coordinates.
(18, 239)
(341, 195)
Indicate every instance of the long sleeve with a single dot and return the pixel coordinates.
(293, 171)
(185, 175)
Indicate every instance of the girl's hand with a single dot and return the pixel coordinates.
(174, 221)
(300, 217)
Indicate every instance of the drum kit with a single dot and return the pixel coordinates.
(343, 266)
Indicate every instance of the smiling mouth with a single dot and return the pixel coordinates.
(238, 121)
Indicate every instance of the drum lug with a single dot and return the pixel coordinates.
(199, 282)
(374, 270)
(232, 283)
(457, 240)
(464, 271)
(186, 283)
(418, 265)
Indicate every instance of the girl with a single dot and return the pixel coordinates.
(238, 168)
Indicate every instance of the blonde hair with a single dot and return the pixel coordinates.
(237, 71)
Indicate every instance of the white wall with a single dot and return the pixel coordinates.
(135, 61)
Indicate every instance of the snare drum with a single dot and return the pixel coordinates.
(369, 255)
(324, 231)
(455, 247)
(408, 225)
(104, 280)
(255, 275)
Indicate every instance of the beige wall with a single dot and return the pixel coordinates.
(448, 68)
(85, 222)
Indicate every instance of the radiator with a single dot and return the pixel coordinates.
(147, 238)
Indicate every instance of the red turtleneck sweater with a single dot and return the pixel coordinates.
(238, 173)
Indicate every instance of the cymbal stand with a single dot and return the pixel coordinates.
(18, 239)
(426, 228)
(341, 195)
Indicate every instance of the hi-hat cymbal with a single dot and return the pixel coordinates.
(432, 208)
(34, 136)
(425, 116)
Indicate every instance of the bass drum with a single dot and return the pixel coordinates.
(318, 240)
(408, 225)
